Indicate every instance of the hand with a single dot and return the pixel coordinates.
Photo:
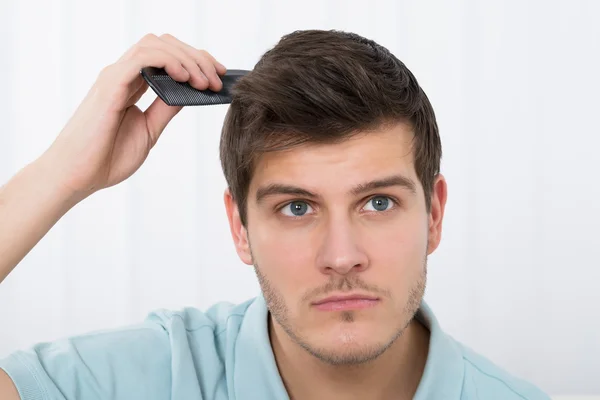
(109, 137)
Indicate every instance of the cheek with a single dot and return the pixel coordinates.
(397, 250)
(286, 256)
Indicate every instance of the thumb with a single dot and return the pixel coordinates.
(158, 116)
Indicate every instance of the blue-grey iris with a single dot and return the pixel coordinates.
(298, 208)
(380, 203)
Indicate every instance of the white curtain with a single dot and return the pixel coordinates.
(515, 87)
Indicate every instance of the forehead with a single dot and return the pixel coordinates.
(363, 157)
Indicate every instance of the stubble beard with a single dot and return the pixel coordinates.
(354, 356)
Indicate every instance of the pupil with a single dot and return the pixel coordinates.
(380, 203)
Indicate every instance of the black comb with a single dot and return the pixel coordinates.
(183, 94)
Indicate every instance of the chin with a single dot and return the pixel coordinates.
(348, 351)
(348, 344)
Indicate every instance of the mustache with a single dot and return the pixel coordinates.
(345, 284)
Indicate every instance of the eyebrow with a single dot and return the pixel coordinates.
(281, 189)
(394, 180)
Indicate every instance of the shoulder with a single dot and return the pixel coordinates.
(485, 380)
(164, 351)
(217, 319)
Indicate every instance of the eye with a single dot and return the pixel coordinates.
(379, 203)
(296, 209)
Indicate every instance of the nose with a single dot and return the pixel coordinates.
(340, 251)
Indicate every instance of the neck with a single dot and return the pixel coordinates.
(393, 375)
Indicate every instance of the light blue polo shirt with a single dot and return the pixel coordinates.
(223, 353)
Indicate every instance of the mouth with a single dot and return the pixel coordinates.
(346, 302)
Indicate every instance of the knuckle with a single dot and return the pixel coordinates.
(167, 36)
(148, 38)
(139, 51)
(109, 86)
(106, 71)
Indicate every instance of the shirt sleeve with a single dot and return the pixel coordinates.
(129, 363)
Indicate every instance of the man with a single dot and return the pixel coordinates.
(331, 153)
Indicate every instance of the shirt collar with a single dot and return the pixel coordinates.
(444, 371)
(256, 375)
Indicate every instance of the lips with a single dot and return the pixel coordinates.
(346, 302)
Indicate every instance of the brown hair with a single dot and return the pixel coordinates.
(318, 86)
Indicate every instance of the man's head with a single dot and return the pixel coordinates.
(331, 153)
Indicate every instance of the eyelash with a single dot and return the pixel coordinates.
(396, 203)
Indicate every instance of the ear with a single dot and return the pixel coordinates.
(238, 231)
(436, 215)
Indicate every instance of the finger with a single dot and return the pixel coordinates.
(151, 57)
(208, 64)
(208, 68)
(197, 78)
(194, 52)
(118, 82)
(221, 69)
(140, 51)
(218, 66)
(143, 42)
(158, 115)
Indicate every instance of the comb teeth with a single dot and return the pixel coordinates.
(182, 94)
(176, 93)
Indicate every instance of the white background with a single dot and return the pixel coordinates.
(515, 87)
